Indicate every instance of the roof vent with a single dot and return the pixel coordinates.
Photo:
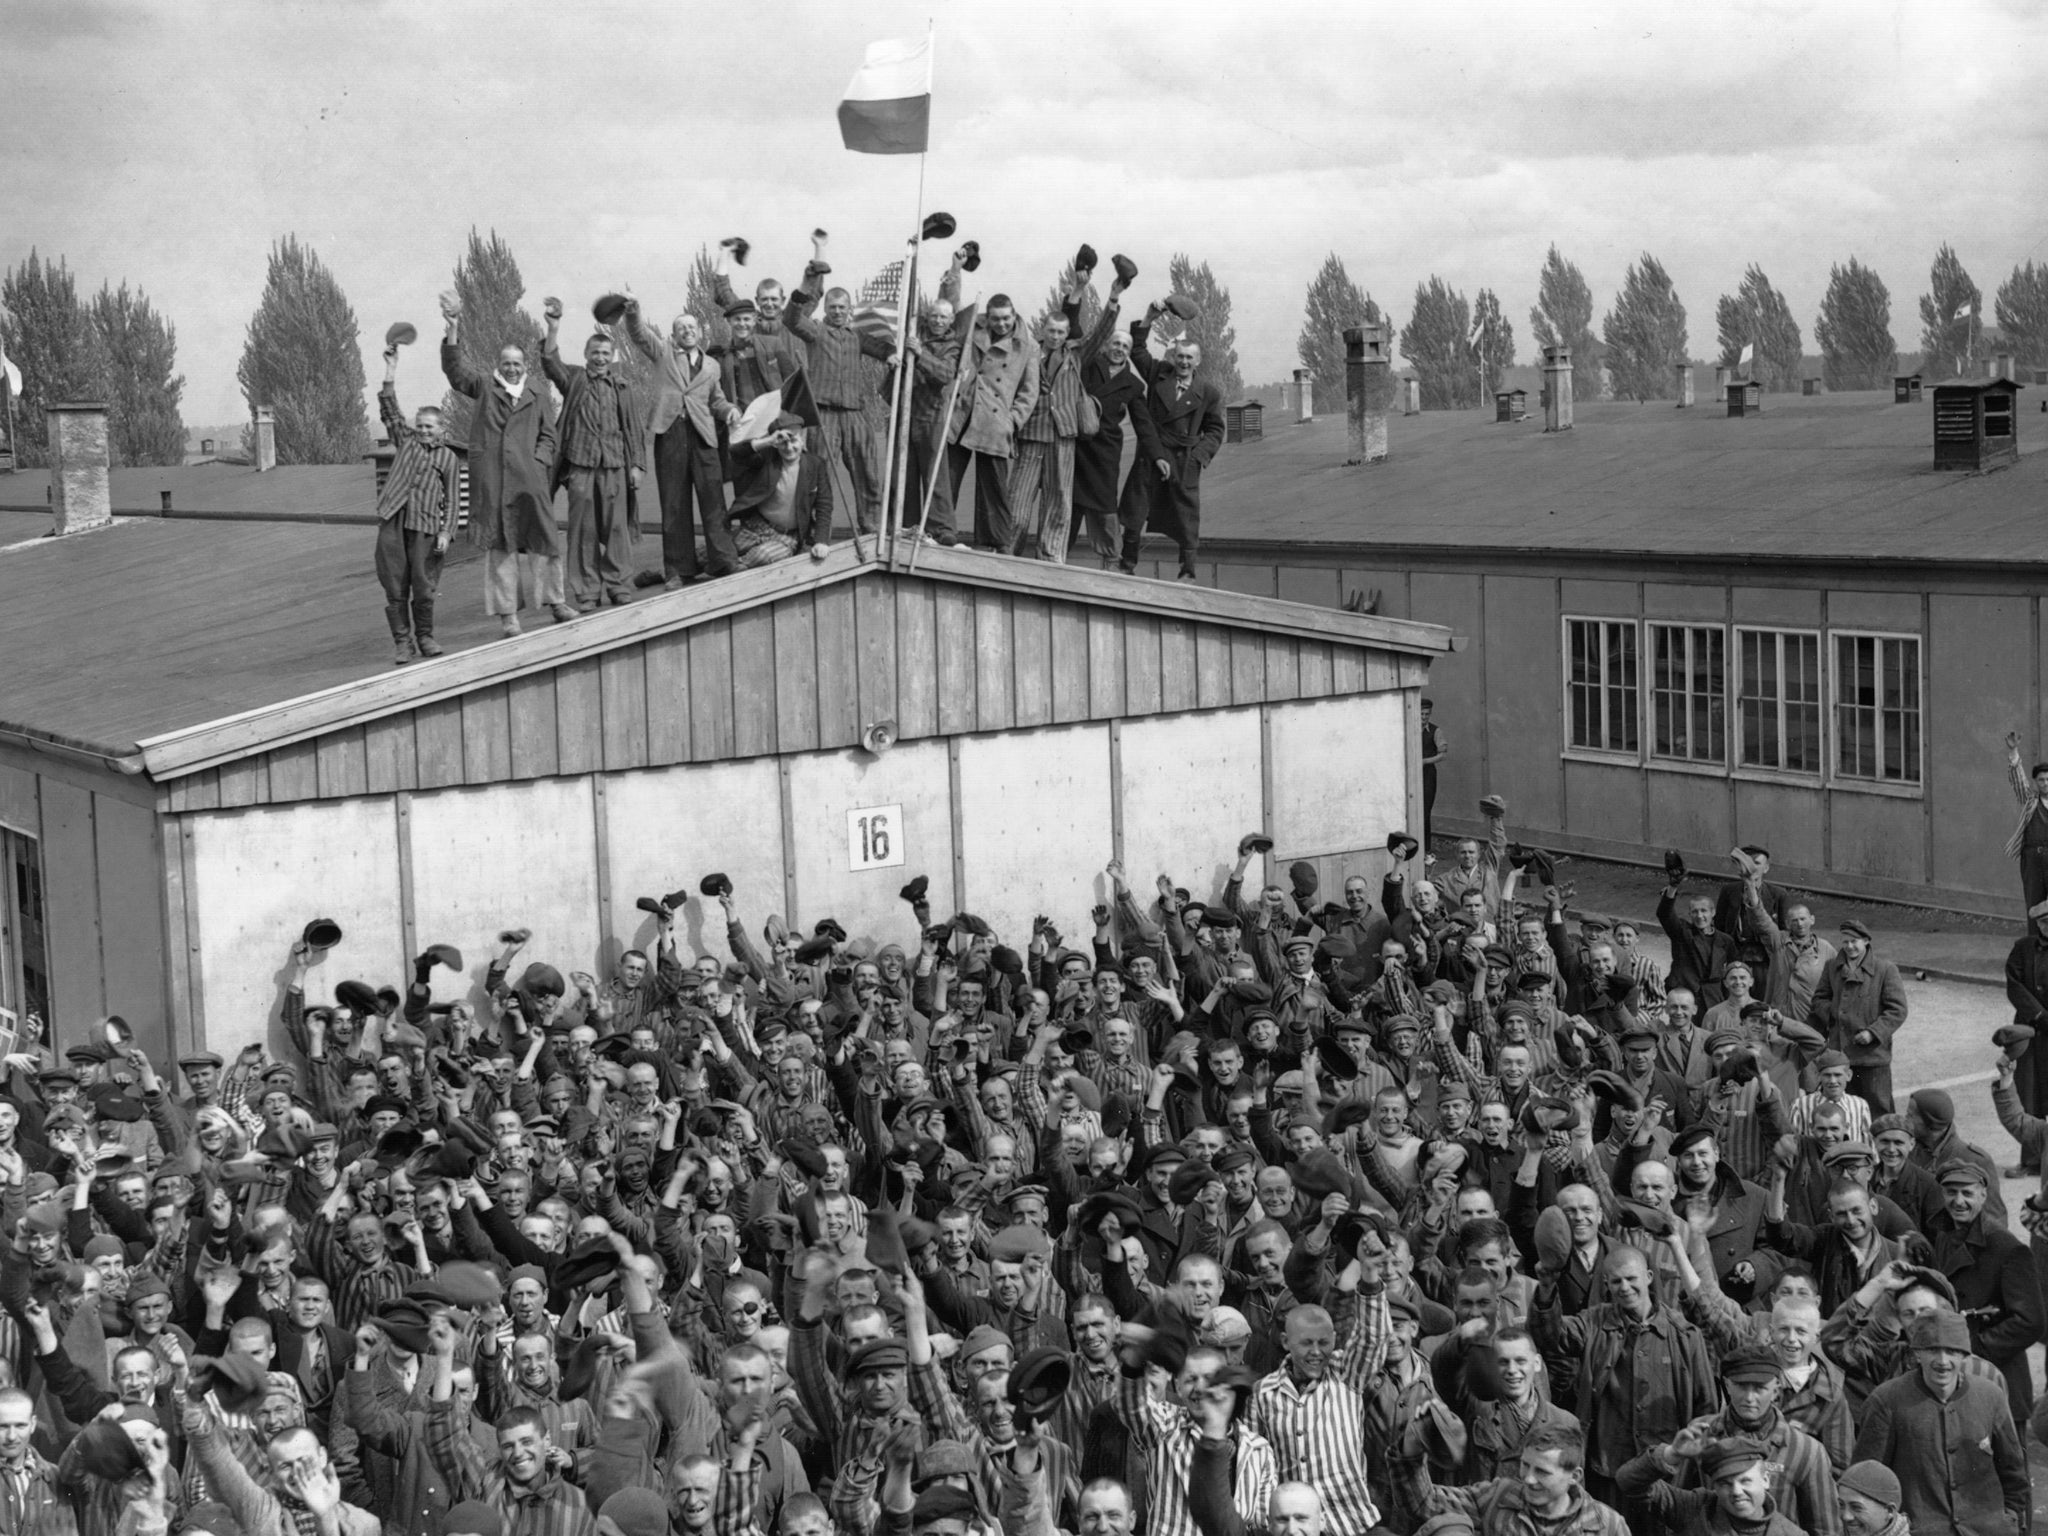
(1976, 423)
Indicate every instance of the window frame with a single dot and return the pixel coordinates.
(1778, 773)
(1600, 754)
(15, 962)
(1914, 788)
(1689, 628)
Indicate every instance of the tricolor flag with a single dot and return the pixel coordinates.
(888, 107)
(1748, 355)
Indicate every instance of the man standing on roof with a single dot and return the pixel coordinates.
(1186, 430)
(603, 440)
(511, 455)
(416, 516)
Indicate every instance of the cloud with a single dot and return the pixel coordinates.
(170, 144)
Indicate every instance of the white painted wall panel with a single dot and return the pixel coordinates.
(1035, 827)
(506, 856)
(260, 875)
(1191, 789)
(824, 786)
(1339, 774)
(670, 827)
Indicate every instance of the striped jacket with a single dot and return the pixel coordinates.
(1315, 1430)
(423, 486)
(2031, 804)
(1166, 1434)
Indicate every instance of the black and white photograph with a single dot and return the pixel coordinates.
(1005, 768)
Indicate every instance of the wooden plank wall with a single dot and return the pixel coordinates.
(805, 673)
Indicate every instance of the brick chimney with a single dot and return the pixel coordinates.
(266, 439)
(80, 496)
(1305, 395)
(1684, 385)
(1368, 390)
(1557, 389)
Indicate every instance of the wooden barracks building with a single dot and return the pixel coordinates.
(202, 747)
(1808, 626)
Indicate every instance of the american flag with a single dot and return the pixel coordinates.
(875, 309)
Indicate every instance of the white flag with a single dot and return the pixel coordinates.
(758, 419)
(1748, 353)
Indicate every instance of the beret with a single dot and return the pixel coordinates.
(1855, 926)
(1227, 1325)
(1232, 1158)
(1457, 1088)
(1220, 917)
(1827, 1059)
(1689, 1138)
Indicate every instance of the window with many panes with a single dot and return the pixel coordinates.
(1601, 684)
(1778, 700)
(1689, 692)
(1877, 708)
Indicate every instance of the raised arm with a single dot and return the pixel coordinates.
(650, 346)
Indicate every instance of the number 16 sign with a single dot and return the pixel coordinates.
(874, 837)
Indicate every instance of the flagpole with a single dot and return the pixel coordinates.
(903, 300)
(945, 423)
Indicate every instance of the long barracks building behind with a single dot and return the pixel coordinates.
(1691, 630)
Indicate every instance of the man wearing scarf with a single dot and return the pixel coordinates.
(511, 455)
(308, 1499)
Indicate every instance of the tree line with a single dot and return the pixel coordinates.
(302, 354)
(1459, 349)
(112, 347)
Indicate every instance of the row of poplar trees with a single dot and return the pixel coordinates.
(1459, 349)
(303, 357)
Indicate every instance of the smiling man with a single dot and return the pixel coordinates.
(511, 453)
(417, 511)
(689, 404)
(1949, 1436)
(527, 1487)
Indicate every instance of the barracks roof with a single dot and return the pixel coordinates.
(1823, 477)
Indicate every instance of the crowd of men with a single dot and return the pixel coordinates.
(1036, 423)
(1269, 1209)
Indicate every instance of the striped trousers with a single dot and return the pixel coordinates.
(1042, 494)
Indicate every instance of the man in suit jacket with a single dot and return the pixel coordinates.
(602, 441)
(511, 457)
(687, 409)
(1186, 429)
(783, 502)
(1119, 391)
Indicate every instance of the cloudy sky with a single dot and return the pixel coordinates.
(169, 143)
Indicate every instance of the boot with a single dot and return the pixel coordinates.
(396, 616)
(423, 625)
